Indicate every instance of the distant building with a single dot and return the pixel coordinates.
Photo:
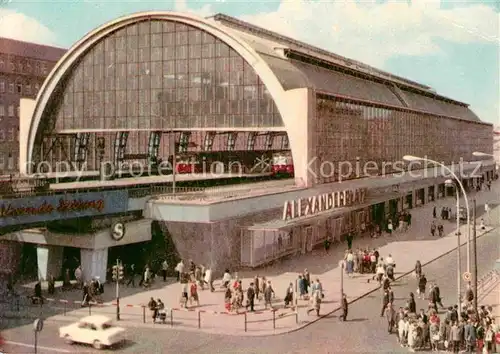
(23, 68)
(496, 144)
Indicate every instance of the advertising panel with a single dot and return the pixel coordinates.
(36, 209)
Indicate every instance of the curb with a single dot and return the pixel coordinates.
(316, 319)
(278, 332)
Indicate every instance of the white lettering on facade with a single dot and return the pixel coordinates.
(323, 202)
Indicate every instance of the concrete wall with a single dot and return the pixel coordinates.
(26, 109)
(215, 244)
(301, 109)
(10, 256)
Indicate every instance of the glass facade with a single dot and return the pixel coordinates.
(374, 138)
(162, 75)
(148, 79)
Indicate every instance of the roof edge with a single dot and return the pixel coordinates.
(334, 59)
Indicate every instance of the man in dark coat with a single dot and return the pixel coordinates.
(86, 294)
(385, 302)
(391, 295)
(437, 295)
(38, 293)
(349, 239)
(345, 308)
(251, 297)
(391, 318)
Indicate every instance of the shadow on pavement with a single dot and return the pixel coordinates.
(20, 311)
(357, 320)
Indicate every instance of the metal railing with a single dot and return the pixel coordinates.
(41, 189)
(173, 316)
(487, 283)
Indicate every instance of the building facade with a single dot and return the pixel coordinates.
(151, 86)
(496, 145)
(23, 68)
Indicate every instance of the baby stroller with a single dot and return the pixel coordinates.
(161, 316)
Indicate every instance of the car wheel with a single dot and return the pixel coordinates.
(97, 344)
(68, 339)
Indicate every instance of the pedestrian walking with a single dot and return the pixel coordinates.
(422, 283)
(289, 295)
(349, 239)
(315, 302)
(164, 269)
(391, 317)
(418, 270)
(385, 302)
(179, 268)
(193, 293)
(251, 297)
(268, 294)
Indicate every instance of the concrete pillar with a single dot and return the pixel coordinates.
(426, 195)
(49, 261)
(94, 263)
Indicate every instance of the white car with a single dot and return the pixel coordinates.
(96, 330)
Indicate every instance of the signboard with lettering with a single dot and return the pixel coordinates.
(29, 210)
(323, 202)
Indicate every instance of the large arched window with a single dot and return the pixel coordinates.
(160, 75)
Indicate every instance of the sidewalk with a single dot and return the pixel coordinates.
(210, 317)
(491, 296)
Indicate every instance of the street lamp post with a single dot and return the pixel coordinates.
(341, 264)
(416, 158)
(449, 182)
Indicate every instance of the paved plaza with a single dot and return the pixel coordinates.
(364, 332)
(210, 316)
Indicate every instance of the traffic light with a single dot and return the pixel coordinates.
(120, 272)
(115, 272)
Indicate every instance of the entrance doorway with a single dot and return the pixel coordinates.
(71, 261)
(409, 201)
(421, 196)
(28, 268)
(378, 211)
(307, 239)
(431, 193)
(393, 207)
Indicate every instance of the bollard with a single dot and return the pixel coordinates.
(171, 318)
(274, 319)
(199, 319)
(245, 313)
(64, 309)
(297, 316)
(90, 310)
(144, 314)
(18, 305)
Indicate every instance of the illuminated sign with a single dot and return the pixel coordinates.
(36, 209)
(323, 202)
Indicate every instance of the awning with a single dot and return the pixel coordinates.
(280, 224)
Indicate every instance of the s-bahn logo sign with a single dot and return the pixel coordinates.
(30, 210)
(117, 231)
(323, 202)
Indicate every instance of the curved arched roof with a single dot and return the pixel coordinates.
(78, 50)
(363, 83)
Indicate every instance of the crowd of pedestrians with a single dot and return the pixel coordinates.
(454, 329)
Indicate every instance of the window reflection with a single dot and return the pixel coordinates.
(167, 62)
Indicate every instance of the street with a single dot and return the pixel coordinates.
(364, 332)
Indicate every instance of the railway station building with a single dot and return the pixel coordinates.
(163, 86)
